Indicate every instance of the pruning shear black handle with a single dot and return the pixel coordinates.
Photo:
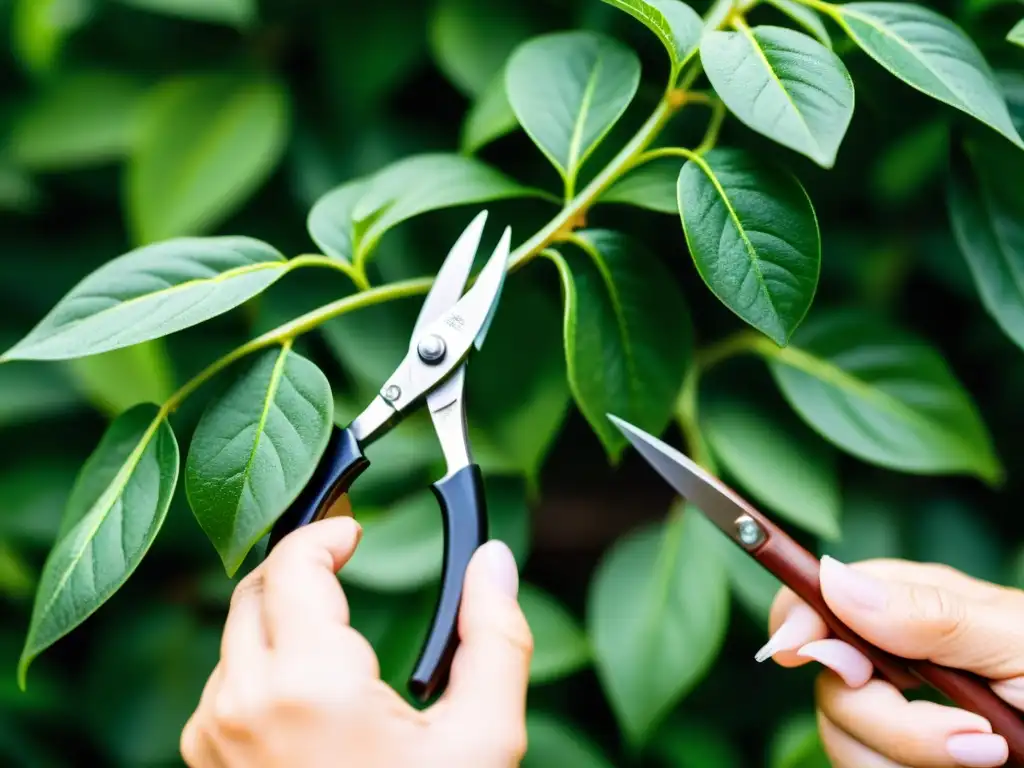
(463, 506)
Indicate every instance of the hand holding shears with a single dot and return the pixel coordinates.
(798, 569)
(449, 326)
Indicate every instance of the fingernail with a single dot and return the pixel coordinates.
(1011, 690)
(842, 658)
(865, 591)
(792, 633)
(501, 566)
(978, 750)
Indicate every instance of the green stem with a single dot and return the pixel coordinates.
(714, 127)
(319, 260)
(286, 333)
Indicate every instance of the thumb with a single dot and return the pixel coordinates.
(971, 626)
(491, 668)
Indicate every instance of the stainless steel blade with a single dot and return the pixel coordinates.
(716, 500)
(451, 277)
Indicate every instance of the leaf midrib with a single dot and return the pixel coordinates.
(268, 401)
(755, 44)
(101, 509)
(830, 373)
(65, 328)
(755, 259)
(576, 139)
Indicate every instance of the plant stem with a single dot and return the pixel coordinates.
(357, 276)
(285, 333)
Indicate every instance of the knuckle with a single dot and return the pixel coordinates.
(250, 585)
(939, 610)
(230, 717)
(515, 630)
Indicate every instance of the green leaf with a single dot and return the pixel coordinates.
(797, 745)
(16, 575)
(402, 547)
(101, 107)
(805, 17)
(884, 396)
(949, 531)
(114, 512)
(122, 378)
(753, 586)
(800, 482)
(205, 144)
(651, 186)
(986, 210)
(489, 118)
(567, 90)
(39, 29)
(349, 221)
(675, 23)
(658, 611)
(907, 165)
(470, 47)
(559, 646)
(627, 332)
(254, 449)
(152, 291)
(871, 528)
(19, 192)
(1016, 34)
(930, 53)
(552, 741)
(753, 235)
(783, 84)
(237, 13)
(34, 491)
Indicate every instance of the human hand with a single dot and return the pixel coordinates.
(296, 685)
(917, 611)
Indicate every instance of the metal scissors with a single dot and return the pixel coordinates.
(798, 569)
(434, 369)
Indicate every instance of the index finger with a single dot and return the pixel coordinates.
(301, 594)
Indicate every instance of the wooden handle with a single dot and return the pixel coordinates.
(798, 569)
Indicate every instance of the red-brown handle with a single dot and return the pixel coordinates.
(798, 569)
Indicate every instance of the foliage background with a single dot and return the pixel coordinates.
(102, 121)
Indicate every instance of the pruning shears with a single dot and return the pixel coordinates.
(449, 325)
(797, 568)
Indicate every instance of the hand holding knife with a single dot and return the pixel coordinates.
(798, 569)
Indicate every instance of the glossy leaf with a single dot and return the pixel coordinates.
(651, 186)
(753, 235)
(783, 84)
(150, 292)
(627, 334)
(551, 741)
(101, 107)
(986, 211)
(205, 144)
(806, 18)
(402, 547)
(117, 380)
(780, 464)
(658, 610)
(1016, 34)
(115, 510)
(567, 90)
(489, 118)
(675, 23)
(254, 449)
(884, 396)
(470, 47)
(559, 646)
(930, 53)
(349, 221)
(238, 13)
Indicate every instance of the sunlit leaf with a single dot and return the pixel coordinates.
(1016, 34)
(932, 54)
(651, 185)
(628, 338)
(40, 28)
(658, 611)
(806, 18)
(675, 23)
(753, 235)
(783, 84)
(205, 144)
(885, 396)
(567, 90)
(489, 118)
(115, 510)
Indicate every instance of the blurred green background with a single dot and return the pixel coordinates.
(128, 121)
